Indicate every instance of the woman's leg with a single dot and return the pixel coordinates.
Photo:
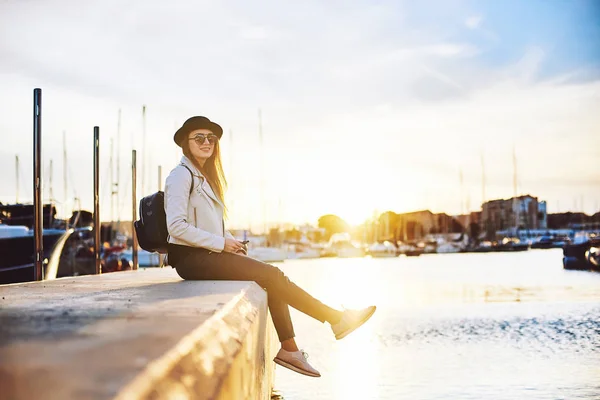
(280, 313)
(229, 266)
(203, 265)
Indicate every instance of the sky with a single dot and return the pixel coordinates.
(366, 106)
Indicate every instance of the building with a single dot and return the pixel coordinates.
(415, 225)
(574, 220)
(418, 224)
(542, 215)
(514, 214)
(466, 220)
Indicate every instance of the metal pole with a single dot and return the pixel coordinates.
(97, 242)
(38, 211)
(134, 246)
(159, 178)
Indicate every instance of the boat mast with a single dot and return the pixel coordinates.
(483, 199)
(116, 185)
(462, 191)
(159, 178)
(50, 195)
(144, 149)
(111, 175)
(279, 212)
(231, 153)
(387, 225)
(17, 177)
(515, 209)
(65, 179)
(582, 212)
(262, 178)
(482, 179)
(375, 226)
(464, 203)
(231, 201)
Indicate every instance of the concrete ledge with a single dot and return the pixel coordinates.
(133, 335)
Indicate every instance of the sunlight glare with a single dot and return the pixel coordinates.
(356, 365)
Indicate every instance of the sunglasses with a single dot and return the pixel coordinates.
(200, 138)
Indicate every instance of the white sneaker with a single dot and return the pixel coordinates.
(351, 319)
(296, 361)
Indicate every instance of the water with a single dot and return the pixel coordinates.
(451, 326)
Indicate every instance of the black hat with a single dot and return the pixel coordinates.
(194, 123)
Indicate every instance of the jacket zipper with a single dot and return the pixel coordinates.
(195, 218)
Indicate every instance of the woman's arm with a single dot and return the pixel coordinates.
(243, 250)
(177, 189)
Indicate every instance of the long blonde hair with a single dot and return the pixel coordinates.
(212, 170)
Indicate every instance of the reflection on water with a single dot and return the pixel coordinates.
(452, 326)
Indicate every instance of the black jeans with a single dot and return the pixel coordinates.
(195, 263)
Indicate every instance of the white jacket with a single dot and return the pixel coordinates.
(193, 220)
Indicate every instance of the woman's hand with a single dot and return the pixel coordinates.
(233, 246)
(243, 250)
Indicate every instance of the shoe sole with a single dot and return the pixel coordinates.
(294, 368)
(349, 331)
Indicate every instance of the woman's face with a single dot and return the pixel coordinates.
(202, 144)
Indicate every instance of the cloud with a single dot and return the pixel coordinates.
(450, 50)
(349, 88)
(156, 52)
(474, 21)
(530, 63)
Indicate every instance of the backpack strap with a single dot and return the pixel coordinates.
(191, 188)
(192, 175)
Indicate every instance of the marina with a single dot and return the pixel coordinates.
(69, 244)
(37, 245)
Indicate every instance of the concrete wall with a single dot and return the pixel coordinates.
(133, 335)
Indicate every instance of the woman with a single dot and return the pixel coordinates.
(201, 249)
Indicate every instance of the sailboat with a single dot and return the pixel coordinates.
(302, 249)
(341, 245)
(260, 251)
(382, 250)
(267, 254)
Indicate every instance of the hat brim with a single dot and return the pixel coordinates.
(185, 130)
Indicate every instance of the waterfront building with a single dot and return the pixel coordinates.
(514, 214)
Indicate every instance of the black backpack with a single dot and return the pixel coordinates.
(151, 228)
